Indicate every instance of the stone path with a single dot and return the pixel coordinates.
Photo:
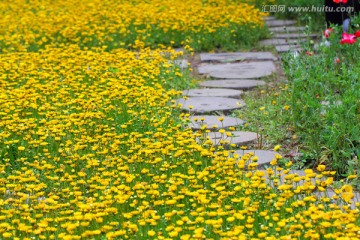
(286, 29)
(208, 92)
(238, 70)
(230, 74)
(210, 104)
(214, 122)
(264, 156)
(237, 56)
(235, 137)
(243, 84)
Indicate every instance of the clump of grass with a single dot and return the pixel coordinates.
(325, 104)
(268, 113)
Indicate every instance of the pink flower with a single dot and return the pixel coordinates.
(348, 38)
(327, 32)
(340, 1)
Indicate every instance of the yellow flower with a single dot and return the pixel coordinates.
(321, 168)
(170, 202)
(173, 234)
(352, 176)
(347, 196)
(21, 148)
(151, 233)
(286, 107)
(6, 235)
(277, 148)
(347, 188)
(230, 219)
(273, 162)
(262, 235)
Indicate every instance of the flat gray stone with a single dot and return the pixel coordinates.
(329, 193)
(327, 103)
(316, 46)
(280, 41)
(286, 29)
(239, 70)
(210, 104)
(287, 48)
(239, 138)
(269, 18)
(265, 156)
(294, 35)
(282, 177)
(213, 92)
(279, 23)
(179, 49)
(183, 64)
(210, 121)
(243, 84)
(237, 56)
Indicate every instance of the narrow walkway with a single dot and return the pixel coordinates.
(230, 75)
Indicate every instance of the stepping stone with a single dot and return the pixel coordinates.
(239, 70)
(211, 121)
(287, 48)
(243, 84)
(238, 138)
(329, 193)
(265, 156)
(179, 49)
(269, 18)
(237, 56)
(183, 64)
(280, 23)
(213, 92)
(317, 45)
(294, 35)
(286, 29)
(280, 41)
(281, 176)
(210, 104)
(327, 103)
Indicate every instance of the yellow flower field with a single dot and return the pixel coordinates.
(92, 146)
(30, 25)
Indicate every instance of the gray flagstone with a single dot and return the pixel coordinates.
(244, 84)
(238, 70)
(210, 104)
